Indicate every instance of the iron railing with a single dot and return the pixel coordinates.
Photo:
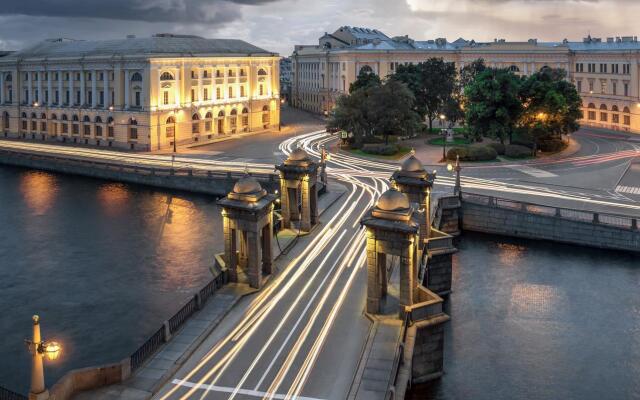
(147, 349)
(617, 220)
(6, 394)
(182, 315)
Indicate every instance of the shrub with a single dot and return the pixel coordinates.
(498, 147)
(551, 145)
(380, 149)
(473, 153)
(517, 151)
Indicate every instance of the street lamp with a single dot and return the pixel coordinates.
(39, 349)
(324, 157)
(444, 138)
(457, 190)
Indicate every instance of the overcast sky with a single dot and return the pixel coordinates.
(277, 25)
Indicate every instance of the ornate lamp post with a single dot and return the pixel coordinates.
(444, 138)
(457, 189)
(39, 349)
(325, 156)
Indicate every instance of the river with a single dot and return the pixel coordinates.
(102, 263)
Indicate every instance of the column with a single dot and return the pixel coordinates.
(49, 88)
(285, 207)
(1, 87)
(200, 87)
(60, 88)
(373, 284)
(126, 89)
(94, 88)
(105, 87)
(29, 87)
(72, 95)
(305, 221)
(254, 255)
(83, 88)
(117, 88)
(230, 249)
(177, 88)
(146, 78)
(267, 246)
(40, 98)
(406, 277)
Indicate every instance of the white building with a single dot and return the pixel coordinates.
(138, 93)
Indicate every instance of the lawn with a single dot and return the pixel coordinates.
(457, 141)
(403, 151)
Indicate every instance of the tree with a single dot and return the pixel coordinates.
(382, 110)
(469, 72)
(551, 106)
(432, 83)
(392, 110)
(366, 78)
(494, 107)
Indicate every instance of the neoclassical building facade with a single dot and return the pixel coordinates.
(605, 72)
(138, 93)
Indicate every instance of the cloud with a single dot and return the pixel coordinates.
(197, 11)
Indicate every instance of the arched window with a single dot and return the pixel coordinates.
(207, 121)
(514, 68)
(24, 115)
(591, 105)
(262, 72)
(603, 106)
(8, 78)
(86, 127)
(166, 76)
(34, 123)
(64, 117)
(133, 129)
(86, 119)
(75, 118)
(366, 69)
(110, 127)
(24, 121)
(43, 122)
(98, 120)
(221, 114)
(233, 120)
(54, 117)
(98, 126)
(245, 118)
(43, 116)
(170, 127)
(626, 110)
(614, 108)
(33, 115)
(220, 122)
(137, 77)
(195, 123)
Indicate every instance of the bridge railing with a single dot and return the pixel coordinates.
(617, 220)
(6, 394)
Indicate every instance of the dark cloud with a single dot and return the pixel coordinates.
(133, 10)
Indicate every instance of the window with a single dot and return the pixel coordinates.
(233, 120)
(245, 117)
(261, 90)
(603, 116)
(207, 121)
(101, 99)
(57, 97)
(166, 76)
(230, 92)
(67, 95)
(615, 118)
(136, 77)
(78, 97)
(205, 74)
(90, 97)
(590, 86)
(242, 91)
(242, 72)
(89, 76)
(626, 89)
(592, 115)
(138, 101)
(102, 76)
(218, 94)
(262, 72)
(170, 127)
(579, 86)
(193, 74)
(218, 73)
(603, 87)
(133, 129)
(603, 68)
(195, 123)
(206, 94)
(165, 97)
(627, 120)
(614, 68)
(614, 87)
(98, 130)
(110, 127)
(231, 73)
(626, 69)
(514, 68)
(46, 96)
(193, 95)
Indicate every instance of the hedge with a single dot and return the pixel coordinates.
(473, 153)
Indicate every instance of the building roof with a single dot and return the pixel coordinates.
(162, 45)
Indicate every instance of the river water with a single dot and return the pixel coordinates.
(105, 263)
(102, 263)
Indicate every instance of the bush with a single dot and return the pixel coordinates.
(473, 153)
(498, 147)
(380, 149)
(517, 151)
(551, 145)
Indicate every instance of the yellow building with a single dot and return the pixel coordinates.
(605, 72)
(138, 93)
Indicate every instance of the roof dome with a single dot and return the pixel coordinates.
(412, 164)
(393, 200)
(247, 185)
(298, 155)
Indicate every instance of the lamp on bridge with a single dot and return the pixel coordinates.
(40, 349)
(457, 190)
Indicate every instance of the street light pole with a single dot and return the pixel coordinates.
(444, 139)
(37, 391)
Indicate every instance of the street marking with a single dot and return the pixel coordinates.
(628, 189)
(538, 173)
(278, 153)
(246, 392)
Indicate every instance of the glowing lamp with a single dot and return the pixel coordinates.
(51, 350)
(449, 167)
(442, 117)
(35, 104)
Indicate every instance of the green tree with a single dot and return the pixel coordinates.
(366, 78)
(494, 106)
(432, 83)
(382, 110)
(469, 72)
(551, 106)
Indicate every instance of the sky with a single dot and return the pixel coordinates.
(277, 25)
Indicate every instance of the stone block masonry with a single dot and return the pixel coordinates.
(505, 217)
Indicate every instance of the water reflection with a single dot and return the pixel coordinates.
(112, 197)
(38, 191)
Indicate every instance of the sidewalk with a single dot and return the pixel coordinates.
(155, 372)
